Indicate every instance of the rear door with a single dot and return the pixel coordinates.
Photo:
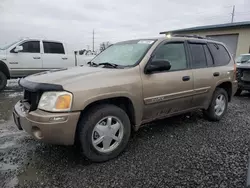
(209, 64)
(54, 55)
(203, 68)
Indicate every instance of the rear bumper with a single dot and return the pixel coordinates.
(234, 87)
(54, 128)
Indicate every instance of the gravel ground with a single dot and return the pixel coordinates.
(184, 151)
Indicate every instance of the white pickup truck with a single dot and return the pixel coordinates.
(29, 56)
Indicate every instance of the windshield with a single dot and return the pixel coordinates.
(9, 45)
(126, 53)
(242, 58)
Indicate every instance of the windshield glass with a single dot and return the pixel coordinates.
(242, 58)
(8, 45)
(126, 53)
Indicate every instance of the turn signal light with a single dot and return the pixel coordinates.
(63, 102)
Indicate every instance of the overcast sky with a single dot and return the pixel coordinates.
(72, 21)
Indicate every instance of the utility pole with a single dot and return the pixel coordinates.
(232, 20)
(93, 40)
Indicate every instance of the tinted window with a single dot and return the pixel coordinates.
(198, 56)
(174, 53)
(220, 54)
(31, 47)
(53, 48)
(209, 57)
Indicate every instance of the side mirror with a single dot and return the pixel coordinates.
(157, 66)
(18, 49)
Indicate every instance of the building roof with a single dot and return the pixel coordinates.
(211, 27)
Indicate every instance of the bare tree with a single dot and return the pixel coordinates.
(104, 45)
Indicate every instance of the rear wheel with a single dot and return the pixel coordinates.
(218, 106)
(238, 92)
(3, 81)
(104, 132)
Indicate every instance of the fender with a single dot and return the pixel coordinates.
(136, 102)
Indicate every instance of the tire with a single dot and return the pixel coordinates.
(3, 81)
(210, 113)
(88, 123)
(238, 92)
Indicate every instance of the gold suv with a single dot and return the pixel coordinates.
(129, 84)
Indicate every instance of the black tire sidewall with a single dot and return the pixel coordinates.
(3, 80)
(87, 125)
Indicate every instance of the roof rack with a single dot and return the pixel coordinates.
(190, 36)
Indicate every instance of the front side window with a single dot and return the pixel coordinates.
(220, 54)
(53, 48)
(173, 53)
(31, 47)
(126, 53)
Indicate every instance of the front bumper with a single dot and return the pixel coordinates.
(54, 128)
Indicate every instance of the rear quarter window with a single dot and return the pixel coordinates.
(220, 54)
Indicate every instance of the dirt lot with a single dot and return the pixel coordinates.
(184, 151)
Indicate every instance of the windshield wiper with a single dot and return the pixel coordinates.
(92, 64)
(108, 64)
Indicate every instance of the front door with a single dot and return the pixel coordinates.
(25, 62)
(171, 91)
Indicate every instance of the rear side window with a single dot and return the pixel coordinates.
(53, 48)
(220, 54)
(198, 56)
(209, 57)
(31, 47)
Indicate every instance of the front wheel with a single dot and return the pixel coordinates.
(3, 81)
(104, 132)
(218, 105)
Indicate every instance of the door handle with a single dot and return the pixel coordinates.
(185, 78)
(36, 58)
(64, 58)
(216, 74)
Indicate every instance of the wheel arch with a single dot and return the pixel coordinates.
(4, 69)
(228, 87)
(123, 102)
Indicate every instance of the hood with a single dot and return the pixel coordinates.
(67, 75)
(244, 66)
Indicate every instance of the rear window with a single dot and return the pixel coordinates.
(220, 54)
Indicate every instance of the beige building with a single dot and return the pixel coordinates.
(236, 36)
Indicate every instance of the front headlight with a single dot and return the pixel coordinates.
(55, 101)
